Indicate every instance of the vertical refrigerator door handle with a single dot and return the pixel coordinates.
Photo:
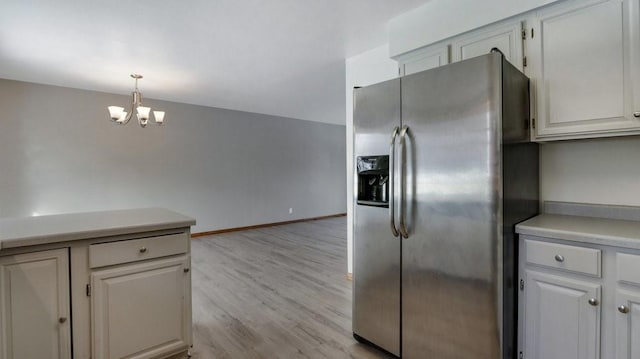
(392, 154)
(403, 229)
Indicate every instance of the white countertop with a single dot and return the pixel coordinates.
(31, 231)
(612, 232)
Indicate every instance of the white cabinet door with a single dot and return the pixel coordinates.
(633, 21)
(424, 59)
(34, 305)
(580, 58)
(627, 324)
(506, 37)
(560, 322)
(141, 310)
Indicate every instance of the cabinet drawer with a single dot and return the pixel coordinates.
(106, 254)
(628, 268)
(564, 257)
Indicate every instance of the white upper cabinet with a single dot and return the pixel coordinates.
(580, 61)
(506, 37)
(424, 59)
(582, 57)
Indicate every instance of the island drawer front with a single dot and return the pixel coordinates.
(628, 268)
(112, 253)
(564, 257)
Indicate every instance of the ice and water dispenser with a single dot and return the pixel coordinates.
(373, 181)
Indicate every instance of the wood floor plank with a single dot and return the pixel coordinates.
(275, 292)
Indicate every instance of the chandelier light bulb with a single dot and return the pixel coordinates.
(115, 112)
(159, 117)
(143, 112)
(123, 117)
(143, 115)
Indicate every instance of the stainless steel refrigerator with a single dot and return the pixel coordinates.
(444, 170)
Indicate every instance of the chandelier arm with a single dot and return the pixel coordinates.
(126, 120)
(134, 103)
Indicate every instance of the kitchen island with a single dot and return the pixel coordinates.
(107, 284)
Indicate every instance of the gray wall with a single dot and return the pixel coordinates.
(59, 153)
(603, 171)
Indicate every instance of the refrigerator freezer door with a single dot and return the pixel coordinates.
(376, 278)
(451, 273)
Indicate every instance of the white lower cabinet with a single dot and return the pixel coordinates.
(142, 310)
(578, 301)
(628, 306)
(34, 305)
(628, 324)
(562, 317)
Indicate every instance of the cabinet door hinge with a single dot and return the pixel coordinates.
(88, 290)
(533, 123)
(524, 61)
(532, 33)
(521, 284)
(524, 34)
(521, 356)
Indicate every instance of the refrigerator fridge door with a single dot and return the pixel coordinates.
(451, 271)
(376, 277)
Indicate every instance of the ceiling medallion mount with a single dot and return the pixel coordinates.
(121, 117)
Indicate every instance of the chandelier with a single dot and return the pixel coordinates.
(122, 117)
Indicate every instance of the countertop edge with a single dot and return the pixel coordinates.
(81, 235)
(34, 231)
(539, 229)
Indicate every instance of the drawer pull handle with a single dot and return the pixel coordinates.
(594, 302)
(623, 309)
(636, 114)
(186, 270)
(559, 258)
(62, 320)
(143, 250)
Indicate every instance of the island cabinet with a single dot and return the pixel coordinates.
(34, 305)
(104, 285)
(131, 293)
(579, 292)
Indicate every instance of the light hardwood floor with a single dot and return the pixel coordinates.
(276, 292)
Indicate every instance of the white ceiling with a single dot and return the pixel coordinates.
(279, 57)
